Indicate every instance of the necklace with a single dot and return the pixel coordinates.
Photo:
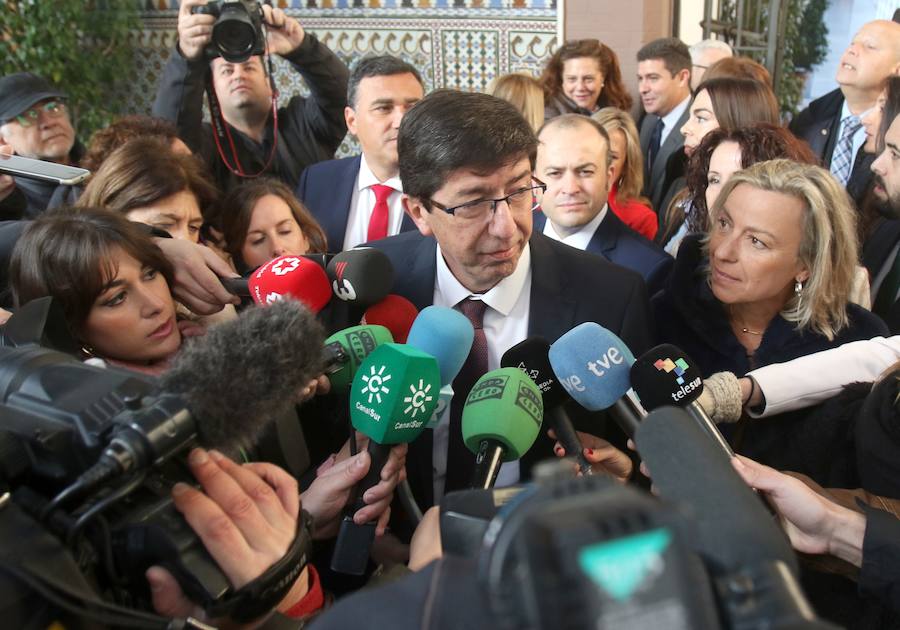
(747, 331)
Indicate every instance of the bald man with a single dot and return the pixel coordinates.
(831, 123)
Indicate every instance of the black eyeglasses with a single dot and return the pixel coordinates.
(518, 201)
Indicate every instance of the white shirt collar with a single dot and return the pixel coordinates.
(672, 117)
(582, 237)
(367, 179)
(501, 297)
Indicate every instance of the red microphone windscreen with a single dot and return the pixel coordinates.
(395, 313)
(294, 276)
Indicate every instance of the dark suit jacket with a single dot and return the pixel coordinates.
(568, 287)
(621, 245)
(326, 189)
(655, 179)
(875, 254)
(819, 124)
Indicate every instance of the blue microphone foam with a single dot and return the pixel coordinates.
(446, 335)
(593, 365)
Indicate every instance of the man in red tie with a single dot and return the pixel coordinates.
(357, 199)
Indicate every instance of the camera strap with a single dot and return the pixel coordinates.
(256, 598)
(222, 131)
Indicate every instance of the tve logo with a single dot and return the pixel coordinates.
(598, 367)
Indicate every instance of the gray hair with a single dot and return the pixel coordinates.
(709, 44)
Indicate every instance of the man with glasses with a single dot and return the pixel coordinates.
(466, 162)
(573, 160)
(34, 123)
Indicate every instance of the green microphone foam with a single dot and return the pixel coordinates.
(394, 393)
(504, 405)
(358, 342)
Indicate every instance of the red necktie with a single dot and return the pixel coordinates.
(378, 223)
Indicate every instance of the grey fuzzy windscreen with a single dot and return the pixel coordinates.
(245, 372)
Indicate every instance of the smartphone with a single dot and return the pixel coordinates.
(41, 170)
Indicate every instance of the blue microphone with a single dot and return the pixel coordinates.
(447, 335)
(593, 365)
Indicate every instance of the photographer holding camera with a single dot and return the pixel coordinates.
(223, 49)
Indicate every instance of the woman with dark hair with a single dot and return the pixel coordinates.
(262, 219)
(111, 280)
(149, 182)
(726, 103)
(582, 77)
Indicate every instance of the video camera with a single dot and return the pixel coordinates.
(237, 32)
(587, 552)
(60, 420)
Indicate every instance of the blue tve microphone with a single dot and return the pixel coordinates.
(447, 335)
(593, 365)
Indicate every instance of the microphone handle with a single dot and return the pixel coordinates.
(351, 549)
(706, 423)
(570, 441)
(236, 286)
(626, 414)
(487, 464)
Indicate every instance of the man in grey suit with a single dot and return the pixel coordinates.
(664, 83)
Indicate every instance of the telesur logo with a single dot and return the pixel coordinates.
(285, 266)
(679, 367)
(375, 384)
(419, 396)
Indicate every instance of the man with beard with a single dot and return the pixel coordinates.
(886, 179)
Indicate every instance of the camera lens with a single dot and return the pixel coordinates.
(234, 35)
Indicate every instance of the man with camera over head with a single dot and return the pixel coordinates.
(249, 136)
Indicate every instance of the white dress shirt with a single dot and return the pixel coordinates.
(505, 325)
(582, 237)
(670, 120)
(363, 201)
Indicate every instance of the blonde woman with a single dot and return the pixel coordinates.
(525, 93)
(627, 177)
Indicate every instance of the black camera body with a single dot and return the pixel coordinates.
(237, 33)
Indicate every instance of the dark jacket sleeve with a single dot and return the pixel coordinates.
(636, 324)
(322, 113)
(880, 572)
(179, 98)
(10, 231)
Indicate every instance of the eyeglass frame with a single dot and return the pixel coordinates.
(26, 122)
(452, 209)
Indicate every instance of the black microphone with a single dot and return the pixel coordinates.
(735, 530)
(532, 357)
(222, 390)
(361, 276)
(666, 375)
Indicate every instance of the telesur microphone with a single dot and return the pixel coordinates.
(294, 276)
(591, 364)
(532, 357)
(346, 349)
(665, 375)
(393, 394)
(361, 276)
(500, 421)
(447, 335)
(395, 313)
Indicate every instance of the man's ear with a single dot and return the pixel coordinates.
(350, 119)
(684, 77)
(418, 213)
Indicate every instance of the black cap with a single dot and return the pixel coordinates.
(20, 91)
(665, 375)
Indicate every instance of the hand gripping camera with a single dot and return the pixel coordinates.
(237, 32)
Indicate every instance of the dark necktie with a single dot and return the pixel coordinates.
(460, 460)
(842, 158)
(378, 223)
(655, 139)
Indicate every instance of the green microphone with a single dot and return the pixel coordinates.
(346, 349)
(393, 395)
(500, 421)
